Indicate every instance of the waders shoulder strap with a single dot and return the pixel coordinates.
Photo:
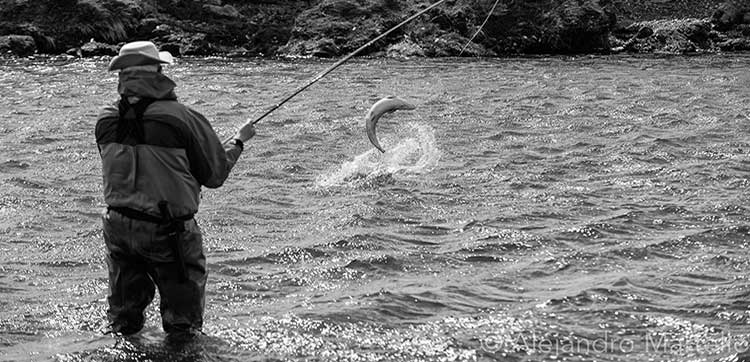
(127, 126)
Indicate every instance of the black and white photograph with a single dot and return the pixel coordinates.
(375, 180)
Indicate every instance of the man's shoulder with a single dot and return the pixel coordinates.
(166, 105)
(175, 108)
(182, 116)
(108, 112)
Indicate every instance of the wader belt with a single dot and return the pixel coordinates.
(175, 227)
(142, 216)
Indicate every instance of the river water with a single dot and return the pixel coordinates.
(544, 209)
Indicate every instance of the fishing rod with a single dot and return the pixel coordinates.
(480, 27)
(338, 63)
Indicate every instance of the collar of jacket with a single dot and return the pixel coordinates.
(146, 84)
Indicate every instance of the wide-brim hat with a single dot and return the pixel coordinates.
(139, 53)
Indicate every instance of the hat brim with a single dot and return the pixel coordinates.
(131, 60)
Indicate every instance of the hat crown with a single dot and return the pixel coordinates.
(146, 48)
(139, 53)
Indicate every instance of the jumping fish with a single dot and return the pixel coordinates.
(381, 107)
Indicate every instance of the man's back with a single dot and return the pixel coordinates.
(177, 153)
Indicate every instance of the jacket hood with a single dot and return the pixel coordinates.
(139, 83)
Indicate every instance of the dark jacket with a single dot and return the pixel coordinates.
(177, 153)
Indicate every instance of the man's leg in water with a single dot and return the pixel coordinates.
(182, 297)
(130, 287)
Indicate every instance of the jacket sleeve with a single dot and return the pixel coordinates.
(210, 160)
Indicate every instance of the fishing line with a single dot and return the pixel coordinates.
(343, 60)
(480, 27)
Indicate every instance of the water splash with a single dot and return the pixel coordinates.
(417, 154)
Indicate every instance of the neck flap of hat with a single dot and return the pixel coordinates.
(146, 84)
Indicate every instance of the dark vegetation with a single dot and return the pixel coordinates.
(330, 28)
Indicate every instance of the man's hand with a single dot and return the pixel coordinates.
(246, 132)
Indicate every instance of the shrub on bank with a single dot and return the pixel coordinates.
(331, 28)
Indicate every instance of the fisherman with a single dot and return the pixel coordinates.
(156, 154)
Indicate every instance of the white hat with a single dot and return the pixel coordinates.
(139, 53)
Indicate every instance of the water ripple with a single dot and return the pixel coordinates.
(526, 209)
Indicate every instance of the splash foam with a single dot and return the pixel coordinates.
(415, 154)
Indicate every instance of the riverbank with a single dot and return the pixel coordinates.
(331, 28)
